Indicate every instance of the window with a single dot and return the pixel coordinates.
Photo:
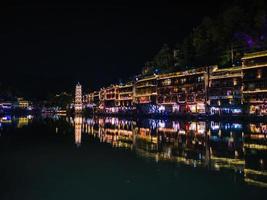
(166, 82)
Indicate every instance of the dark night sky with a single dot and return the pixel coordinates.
(49, 47)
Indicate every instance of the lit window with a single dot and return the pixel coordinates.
(259, 74)
(235, 82)
(166, 82)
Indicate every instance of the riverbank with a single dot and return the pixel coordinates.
(183, 116)
(172, 116)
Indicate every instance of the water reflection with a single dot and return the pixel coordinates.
(239, 147)
(18, 122)
(78, 129)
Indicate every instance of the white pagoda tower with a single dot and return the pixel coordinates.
(78, 104)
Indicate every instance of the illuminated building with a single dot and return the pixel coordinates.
(78, 98)
(100, 96)
(145, 90)
(254, 68)
(88, 100)
(109, 98)
(183, 91)
(96, 97)
(125, 95)
(232, 91)
(6, 106)
(224, 90)
(6, 119)
(22, 103)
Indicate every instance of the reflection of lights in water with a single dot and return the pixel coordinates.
(152, 123)
(202, 127)
(220, 133)
(78, 129)
(256, 146)
(113, 121)
(261, 161)
(56, 117)
(236, 111)
(227, 126)
(214, 138)
(260, 128)
(255, 177)
(22, 121)
(214, 126)
(236, 126)
(144, 141)
(90, 121)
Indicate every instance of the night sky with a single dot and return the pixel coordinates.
(49, 47)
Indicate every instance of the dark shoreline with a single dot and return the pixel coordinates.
(243, 118)
(176, 116)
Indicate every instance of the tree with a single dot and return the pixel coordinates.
(164, 59)
(223, 39)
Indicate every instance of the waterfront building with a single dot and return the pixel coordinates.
(183, 91)
(214, 90)
(6, 106)
(145, 90)
(78, 105)
(145, 94)
(88, 100)
(254, 69)
(19, 103)
(110, 98)
(96, 98)
(101, 98)
(224, 91)
(167, 93)
(125, 95)
(22, 103)
(85, 99)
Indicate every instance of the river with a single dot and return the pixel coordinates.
(56, 157)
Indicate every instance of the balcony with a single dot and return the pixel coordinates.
(146, 85)
(254, 65)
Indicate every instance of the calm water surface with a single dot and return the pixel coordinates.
(110, 158)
